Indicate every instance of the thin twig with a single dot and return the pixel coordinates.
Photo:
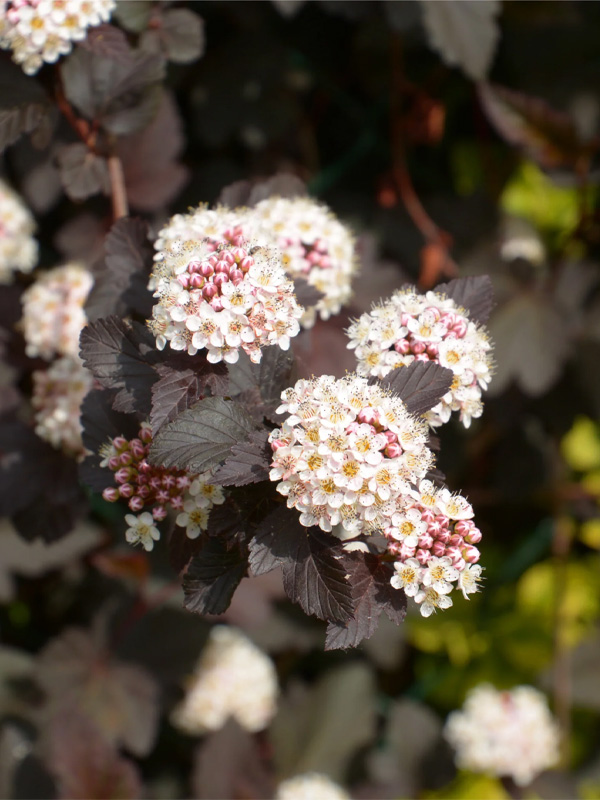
(117, 187)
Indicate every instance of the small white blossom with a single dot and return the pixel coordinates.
(233, 678)
(38, 31)
(141, 530)
(18, 248)
(505, 733)
(310, 786)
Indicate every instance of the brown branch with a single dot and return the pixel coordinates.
(80, 126)
(117, 187)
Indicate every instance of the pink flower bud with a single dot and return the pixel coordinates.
(227, 256)
(471, 554)
(125, 459)
(217, 304)
(393, 450)
(194, 267)
(220, 279)
(404, 318)
(145, 491)
(136, 503)
(177, 502)
(159, 512)
(390, 436)
(183, 482)
(406, 551)
(212, 260)
(162, 495)
(447, 319)
(423, 556)
(352, 427)
(459, 564)
(432, 351)
(276, 444)
(463, 526)
(114, 462)
(197, 282)
(434, 312)
(443, 520)
(123, 475)
(126, 490)
(418, 348)
(435, 528)
(207, 270)
(402, 347)
(438, 548)
(394, 548)
(422, 357)
(456, 540)
(473, 537)
(138, 448)
(238, 254)
(443, 536)
(236, 276)
(460, 327)
(120, 443)
(246, 263)
(144, 466)
(367, 415)
(427, 515)
(184, 280)
(313, 257)
(222, 267)
(209, 291)
(325, 262)
(111, 494)
(145, 435)
(426, 541)
(155, 482)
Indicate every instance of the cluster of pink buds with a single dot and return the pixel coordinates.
(145, 485)
(222, 298)
(413, 327)
(39, 31)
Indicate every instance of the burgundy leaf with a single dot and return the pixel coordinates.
(24, 105)
(306, 294)
(108, 41)
(547, 136)
(274, 373)
(202, 436)
(248, 462)
(475, 294)
(212, 577)
(82, 173)
(421, 385)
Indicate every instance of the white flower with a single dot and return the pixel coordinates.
(439, 574)
(233, 678)
(310, 786)
(407, 576)
(468, 580)
(57, 396)
(505, 733)
(141, 530)
(53, 314)
(18, 248)
(430, 599)
(42, 30)
(428, 327)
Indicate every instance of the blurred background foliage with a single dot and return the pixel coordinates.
(440, 174)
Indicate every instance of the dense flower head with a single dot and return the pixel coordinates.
(505, 733)
(145, 485)
(233, 678)
(53, 313)
(310, 786)
(18, 248)
(38, 31)
(353, 460)
(315, 246)
(431, 327)
(222, 296)
(57, 396)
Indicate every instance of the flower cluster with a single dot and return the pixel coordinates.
(315, 246)
(53, 314)
(510, 733)
(18, 248)
(222, 297)
(431, 327)
(234, 678)
(57, 396)
(43, 30)
(353, 460)
(310, 786)
(143, 485)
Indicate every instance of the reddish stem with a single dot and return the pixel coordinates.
(117, 186)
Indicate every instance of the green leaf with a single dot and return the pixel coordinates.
(202, 437)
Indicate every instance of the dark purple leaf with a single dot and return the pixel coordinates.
(248, 462)
(547, 136)
(108, 41)
(180, 36)
(247, 193)
(212, 577)
(313, 575)
(229, 763)
(475, 294)
(82, 173)
(121, 356)
(202, 436)
(179, 389)
(85, 765)
(372, 593)
(421, 385)
(133, 15)
(122, 277)
(275, 373)
(182, 549)
(24, 105)
(306, 294)
(123, 97)
(153, 176)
